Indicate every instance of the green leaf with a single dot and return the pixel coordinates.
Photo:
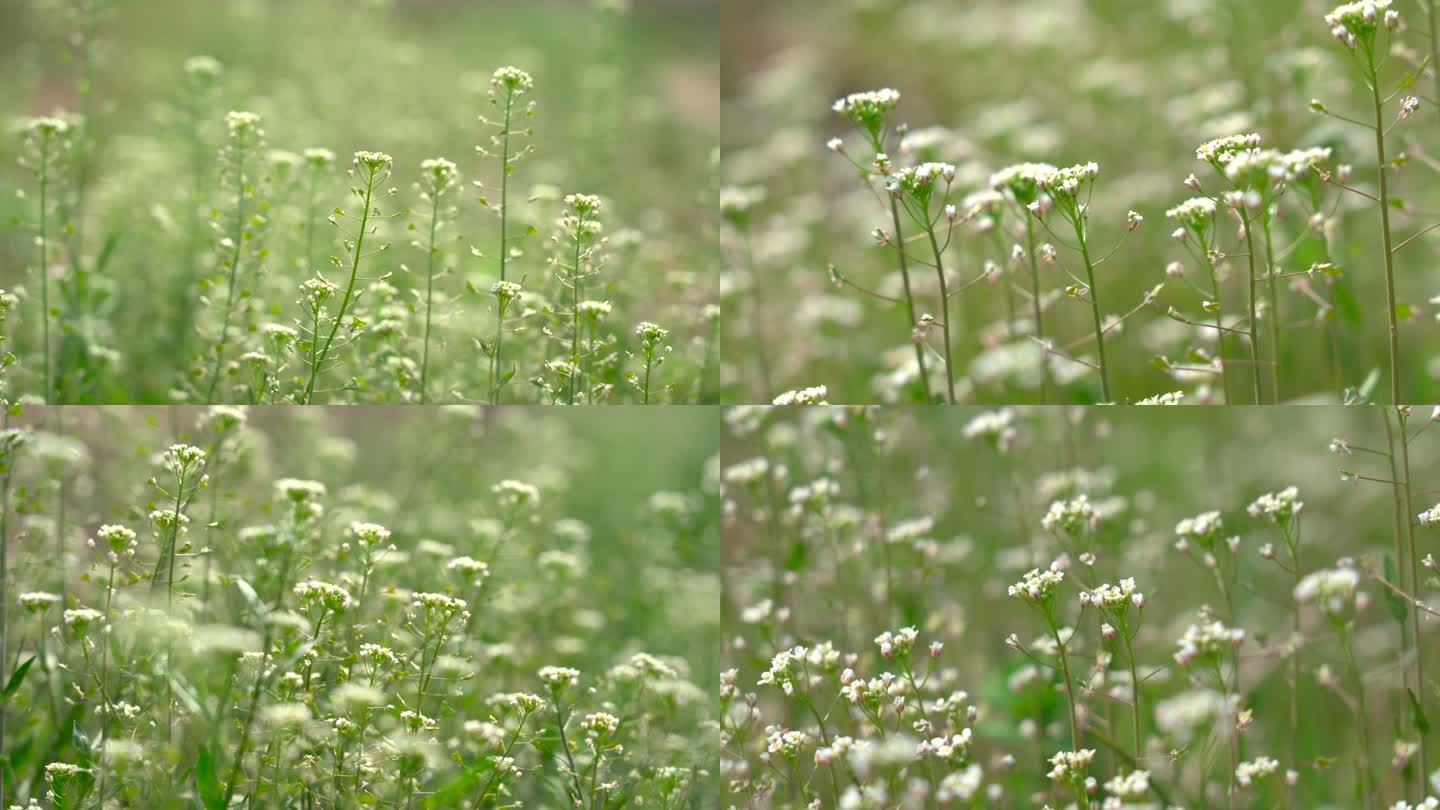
(1372, 380)
(1422, 723)
(17, 677)
(1397, 606)
(1403, 311)
(208, 782)
(1397, 202)
(252, 598)
(796, 560)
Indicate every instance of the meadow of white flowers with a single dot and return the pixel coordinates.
(1079, 608)
(286, 608)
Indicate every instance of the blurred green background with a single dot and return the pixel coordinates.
(1133, 86)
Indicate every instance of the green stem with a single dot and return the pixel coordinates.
(1384, 193)
(944, 315)
(1363, 718)
(1094, 306)
(349, 293)
(1037, 308)
(235, 255)
(44, 262)
(1254, 316)
(1219, 324)
(1274, 298)
(429, 294)
(909, 296)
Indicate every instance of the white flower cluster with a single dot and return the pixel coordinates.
(1167, 398)
(1355, 23)
(786, 743)
(1333, 588)
(1022, 180)
(1207, 639)
(328, 595)
(1260, 767)
(512, 80)
(995, 426)
(1066, 183)
(1069, 766)
(1133, 785)
(805, 396)
(1114, 596)
(1072, 516)
(897, 644)
(1219, 151)
(1038, 585)
(1203, 526)
(510, 493)
(868, 109)
(1277, 507)
(1430, 516)
(1195, 213)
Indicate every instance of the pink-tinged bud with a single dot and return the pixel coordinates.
(1192, 182)
(1013, 642)
(1362, 601)
(1107, 631)
(847, 676)
(935, 648)
(1138, 600)
(1133, 220)
(1174, 269)
(1178, 234)
(1292, 777)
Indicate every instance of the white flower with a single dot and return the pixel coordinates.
(1257, 768)
(1333, 588)
(803, 396)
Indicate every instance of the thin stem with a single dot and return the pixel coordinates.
(1411, 555)
(909, 296)
(1094, 306)
(44, 263)
(349, 291)
(1384, 190)
(1254, 316)
(1219, 325)
(1274, 299)
(495, 356)
(1363, 716)
(1037, 308)
(575, 313)
(236, 252)
(944, 316)
(1135, 695)
(429, 293)
(1069, 686)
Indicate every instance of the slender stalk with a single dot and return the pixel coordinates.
(565, 746)
(575, 315)
(1069, 685)
(1254, 316)
(1094, 307)
(1134, 694)
(4, 593)
(349, 291)
(495, 772)
(1400, 517)
(45, 263)
(235, 255)
(495, 356)
(649, 360)
(1274, 300)
(429, 293)
(909, 296)
(1037, 308)
(1414, 585)
(1219, 324)
(1384, 193)
(1363, 717)
(944, 315)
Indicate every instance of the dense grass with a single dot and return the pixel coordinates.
(237, 657)
(1134, 89)
(177, 247)
(851, 524)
